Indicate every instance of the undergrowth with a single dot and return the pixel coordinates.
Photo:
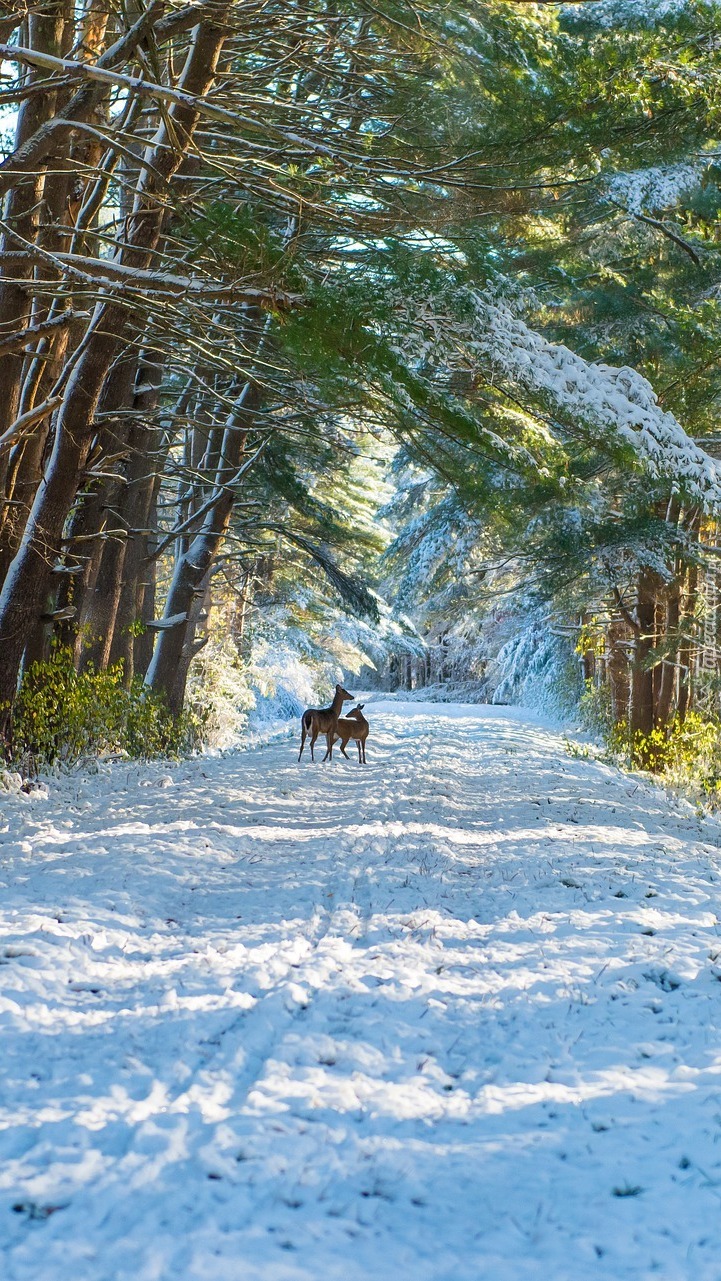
(62, 716)
(685, 754)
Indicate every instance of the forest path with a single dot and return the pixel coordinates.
(450, 1017)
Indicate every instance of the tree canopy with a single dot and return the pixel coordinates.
(385, 322)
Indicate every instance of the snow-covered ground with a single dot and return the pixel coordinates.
(451, 1017)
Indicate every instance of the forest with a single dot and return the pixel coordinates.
(365, 338)
(363, 353)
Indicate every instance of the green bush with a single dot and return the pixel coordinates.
(685, 753)
(66, 716)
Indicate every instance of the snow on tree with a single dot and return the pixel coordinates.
(618, 401)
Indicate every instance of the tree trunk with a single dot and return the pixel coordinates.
(136, 603)
(193, 645)
(641, 709)
(194, 563)
(667, 684)
(47, 32)
(27, 579)
(618, 640)
(686, 653)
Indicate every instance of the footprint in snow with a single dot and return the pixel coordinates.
(663, 978)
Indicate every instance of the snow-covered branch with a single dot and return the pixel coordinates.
(618, 400)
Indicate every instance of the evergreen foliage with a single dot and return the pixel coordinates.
(65, 716)
(423, 346)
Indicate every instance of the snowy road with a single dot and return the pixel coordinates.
(451, 1017)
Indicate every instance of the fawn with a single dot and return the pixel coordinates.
(322, 720)
(354, 725)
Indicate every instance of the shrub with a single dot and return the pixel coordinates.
(66, 716)
(684, 753)
(693, 755)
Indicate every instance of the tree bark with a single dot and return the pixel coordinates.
(667, 683)
(686, 653)
(641, 708)
(618, 640)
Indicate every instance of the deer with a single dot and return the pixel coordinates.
(322, 720)
(354, 725)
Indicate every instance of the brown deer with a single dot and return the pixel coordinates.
(354, 725)
(322, 720)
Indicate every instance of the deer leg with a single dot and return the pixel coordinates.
(329, 740)
(313, 737)
(302, 741)
(343, 745)
(325, 758)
